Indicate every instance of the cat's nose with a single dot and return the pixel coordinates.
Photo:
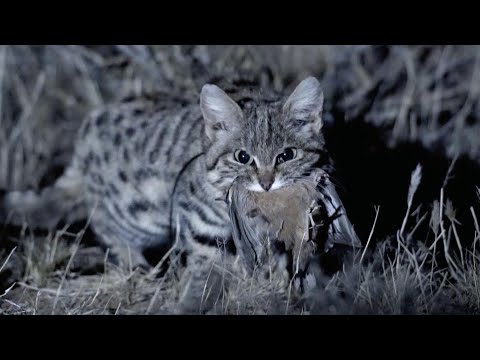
(266, 181)
(266, 184)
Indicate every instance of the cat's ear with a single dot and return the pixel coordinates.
(305, 105)
(220, 112)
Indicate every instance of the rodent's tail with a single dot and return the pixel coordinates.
(46, 208)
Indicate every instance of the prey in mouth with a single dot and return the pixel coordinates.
(299, 220)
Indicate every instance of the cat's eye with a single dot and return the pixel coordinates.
(286, 155)
(243, 157)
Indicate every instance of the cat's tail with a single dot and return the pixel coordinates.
(46, 208)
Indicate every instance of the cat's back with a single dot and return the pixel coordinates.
(140, 132)
(128, 155)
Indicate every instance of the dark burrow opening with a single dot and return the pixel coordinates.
(370, 173)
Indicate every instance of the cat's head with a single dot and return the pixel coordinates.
(265, 144)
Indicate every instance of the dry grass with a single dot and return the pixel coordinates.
(420, 93)
(395, 278)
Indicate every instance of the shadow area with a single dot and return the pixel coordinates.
(369, 173)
